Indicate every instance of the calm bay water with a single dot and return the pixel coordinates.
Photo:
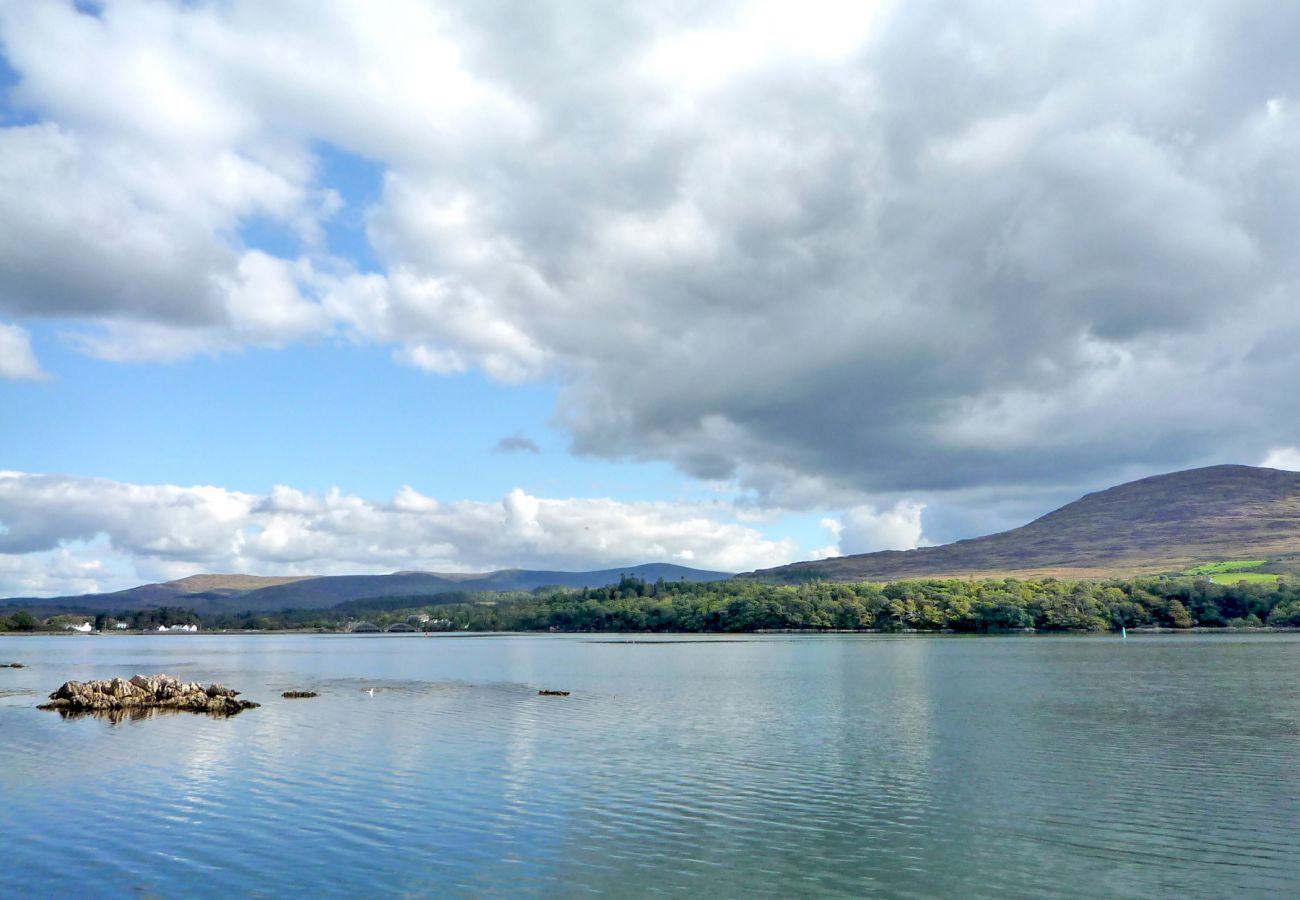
(770, 765)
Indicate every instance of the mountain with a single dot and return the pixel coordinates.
(197, 584)
(1165, 523)
(239, 593)
(317, 593)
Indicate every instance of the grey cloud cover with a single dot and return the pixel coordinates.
(516, 443)
(922, 252)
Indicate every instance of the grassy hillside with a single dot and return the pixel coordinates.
(197, 584)
(1166, 523)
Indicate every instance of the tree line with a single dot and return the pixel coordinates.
(138, 620)
(744, 605)
(995, 605)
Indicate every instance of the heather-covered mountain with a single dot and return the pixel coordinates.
(1165, 523)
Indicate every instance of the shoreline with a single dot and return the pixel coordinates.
(1026, 632)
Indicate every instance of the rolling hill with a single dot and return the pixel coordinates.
(240, 593)
(1165, 523)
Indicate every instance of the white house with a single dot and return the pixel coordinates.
(83, 628)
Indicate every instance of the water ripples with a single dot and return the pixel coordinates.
(769, 767)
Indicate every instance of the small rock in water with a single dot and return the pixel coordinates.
(12, 666)
(146, 692)
(553, 693)
(298, 695)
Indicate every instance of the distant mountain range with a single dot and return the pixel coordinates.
(1166, 523)
(240, 593)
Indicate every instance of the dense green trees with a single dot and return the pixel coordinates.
(739, 605)
(1287, 614)
(932, 605)
(19, 621)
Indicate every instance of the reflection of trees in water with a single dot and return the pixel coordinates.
(134, 713)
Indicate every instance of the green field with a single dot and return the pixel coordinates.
(1248, 577)
(1234, 572)
(1223, 568)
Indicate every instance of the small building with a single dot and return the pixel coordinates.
(83, 628)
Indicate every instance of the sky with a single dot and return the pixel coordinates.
(371, 285)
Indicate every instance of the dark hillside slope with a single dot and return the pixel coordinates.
(1158, 524)
(316, 593)
(242, 593)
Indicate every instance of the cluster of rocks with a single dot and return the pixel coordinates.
(298, 695)
(147, 692)
(12, 666)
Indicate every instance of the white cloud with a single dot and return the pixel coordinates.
(867, 528)
(110, 534)
(759, 34)
(900, 248)
(17, 361)
(1283, 458)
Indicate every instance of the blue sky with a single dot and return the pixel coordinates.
(764, 283)
(359, 183)
(314, 417)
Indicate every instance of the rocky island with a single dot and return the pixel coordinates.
(146, 692)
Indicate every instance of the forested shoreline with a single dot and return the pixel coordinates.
(744, 605)
(930, 605)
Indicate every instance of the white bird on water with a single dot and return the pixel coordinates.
(371, 692)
